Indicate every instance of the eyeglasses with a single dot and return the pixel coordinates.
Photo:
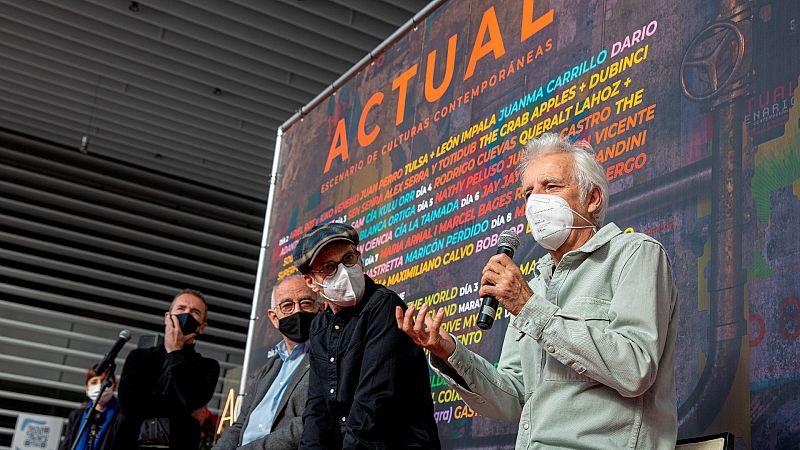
(290, 306)
(350, 259)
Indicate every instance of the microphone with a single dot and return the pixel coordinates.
(124, 336)
(507, 244)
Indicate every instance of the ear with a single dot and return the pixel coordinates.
(595, 200)
(310, 283)
(273, 317)
(202, 328)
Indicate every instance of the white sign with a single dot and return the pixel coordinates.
(35, 432)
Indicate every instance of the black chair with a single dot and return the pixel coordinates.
(721, 441)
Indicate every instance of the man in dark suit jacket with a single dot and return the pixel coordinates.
(272, 414)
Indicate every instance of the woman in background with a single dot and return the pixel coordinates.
(98, 434)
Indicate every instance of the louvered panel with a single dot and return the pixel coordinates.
(136, 253)
(122, 29)
(104, 277)
(412, 6)
(148, 215)
(61, 33)
(173, 233)
(207, 143)
(280, 27)
(80, 261)
(334, 59)
(386, 12)
(125, 267)
(155, 191)
(108, 331)
(112, 297)
(114, 67)
(247, 43)
(43, 84)
(213, 43)
(22, 120)
(343, 16)
(35, 287)
(152, 91)
(132, 131)
(307, 22)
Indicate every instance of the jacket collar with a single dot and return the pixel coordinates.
(601, 238)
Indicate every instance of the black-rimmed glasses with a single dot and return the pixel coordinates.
(350, 259)
(290, 306)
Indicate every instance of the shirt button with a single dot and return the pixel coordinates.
(526, 426)
(333, 359)
(551, 349)
(344, 419)
(336, 327)
(333, 390)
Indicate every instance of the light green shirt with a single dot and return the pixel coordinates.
(589, 362)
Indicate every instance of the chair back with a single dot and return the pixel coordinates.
(721, 441)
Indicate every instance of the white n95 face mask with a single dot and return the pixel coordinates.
(345, 287)
(550, 218)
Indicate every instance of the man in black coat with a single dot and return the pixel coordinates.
(160, 386)
(272, 410)
(369, 385)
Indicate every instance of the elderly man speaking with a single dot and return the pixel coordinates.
(588, 358)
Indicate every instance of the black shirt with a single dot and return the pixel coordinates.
(155, 383)
(369, 384)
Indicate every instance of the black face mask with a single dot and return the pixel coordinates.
(297, 327)
(187, 323)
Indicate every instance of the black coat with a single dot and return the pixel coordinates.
(369, 385)
(155, 383)
(73, 425)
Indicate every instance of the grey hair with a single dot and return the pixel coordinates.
(588, 173)
(290, 277)
(192, 292)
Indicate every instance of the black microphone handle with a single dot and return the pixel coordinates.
(489, 304)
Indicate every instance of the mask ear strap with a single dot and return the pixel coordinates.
(587, 220)
(584, 218)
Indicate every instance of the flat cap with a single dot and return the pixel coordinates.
(318, 237)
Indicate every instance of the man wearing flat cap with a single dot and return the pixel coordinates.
(369, 384)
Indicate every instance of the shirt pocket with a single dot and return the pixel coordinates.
(594, 312)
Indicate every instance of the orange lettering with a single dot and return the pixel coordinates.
(338, 146)
(435, 93)
(402, 83)
(480, 49)
(364, 139)
(530, 26)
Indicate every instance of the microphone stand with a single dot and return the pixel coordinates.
(92, 412)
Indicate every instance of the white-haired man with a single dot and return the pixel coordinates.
(588, 358)
(272, 413)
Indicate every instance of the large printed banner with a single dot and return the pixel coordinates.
(690, 109)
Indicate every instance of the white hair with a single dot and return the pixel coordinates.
(588, 173)
(290, 277)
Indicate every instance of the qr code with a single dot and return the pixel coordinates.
(36, 436)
